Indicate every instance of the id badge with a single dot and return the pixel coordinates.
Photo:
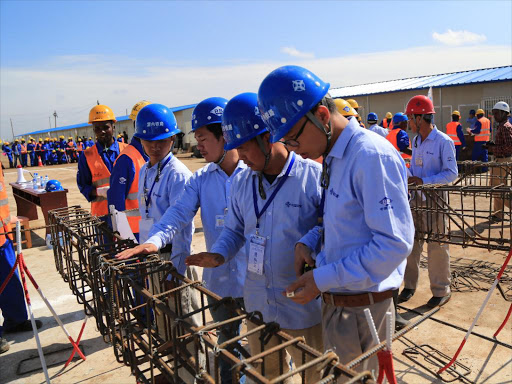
(144, 228)
(256, 254)
(219, 221)
(419, 161)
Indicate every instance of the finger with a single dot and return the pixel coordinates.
(299, 266)
(294, 286)
(309, 260)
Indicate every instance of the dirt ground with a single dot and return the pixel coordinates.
(487, 361)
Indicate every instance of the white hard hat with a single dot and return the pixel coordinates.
(502, 106)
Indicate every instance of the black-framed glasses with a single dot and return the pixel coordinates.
(293, 142)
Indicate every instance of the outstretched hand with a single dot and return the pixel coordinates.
(142, 249)
(205, 259)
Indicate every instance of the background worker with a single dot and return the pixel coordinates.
(124, 180)
(387, 121)
(80, 147)
(501, 148)
(71, 150)
(31, 149)
(433, 162)
(355, 105)
(23, 153)
(374, 127)
(273, 204)
(471, 120)
(482, 133)
(455, 132)
(209, 188)
(53, 158)
(39, 151)
(6, 148)
(95, 166)
(367, 224)
(16, 151)
(399, 138)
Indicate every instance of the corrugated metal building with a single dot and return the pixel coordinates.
(461, 91)
(124, 123)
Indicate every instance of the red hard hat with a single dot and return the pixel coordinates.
(419, 105)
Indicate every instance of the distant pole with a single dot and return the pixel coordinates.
(55, 116)
(12, 130)
(50, 122)
(126, 110)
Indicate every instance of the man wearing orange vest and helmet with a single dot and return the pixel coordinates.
(399, 137)
(454, 130)
(387, 121)
(124, 181)
(95, 166)
(482, 133)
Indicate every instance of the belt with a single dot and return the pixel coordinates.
(360, 300)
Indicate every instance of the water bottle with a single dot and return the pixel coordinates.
(34, 181)
(45, 181)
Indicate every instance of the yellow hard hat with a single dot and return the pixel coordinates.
(0, 141)
(16, 141)
(389, 115)
(344, 107)
(47, 139)
(137, 107)
(456, 113)
(480, 112)
(40, 139)
(79, 139)
(353, 103)
(53, 151)
(101, 113)
(70, 138)
(90, 138)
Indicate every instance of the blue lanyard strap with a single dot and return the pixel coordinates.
(147, 197)
(255, 198)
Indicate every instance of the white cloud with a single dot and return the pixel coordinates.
(294, 52)
(30, 95)
(456, 38)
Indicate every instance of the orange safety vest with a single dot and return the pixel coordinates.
(131, 201)
(5, 216)
(23, 149)
(485, 131)
(451, 130)
(385, 124)
(80, 146)
(391, 137)
(100, 178)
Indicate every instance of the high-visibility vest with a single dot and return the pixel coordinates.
(386, 125)
(100, 178)
(451, 130)
(131, 201)
(80, 147)
(71, 145)
(5, 216)
(392, 138)
(485, 131)
(23, 149)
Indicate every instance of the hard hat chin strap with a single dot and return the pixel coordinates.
(261, 144)
(218, 162)
(324, 182)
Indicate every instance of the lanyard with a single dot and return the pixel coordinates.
(255, 198)
(147, 197)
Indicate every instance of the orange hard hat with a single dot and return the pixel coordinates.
(101, 113)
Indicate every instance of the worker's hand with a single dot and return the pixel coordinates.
(415, 180)
(302, 257)
(304, 289)
(468, 130)
(142, 249)
(205, 259)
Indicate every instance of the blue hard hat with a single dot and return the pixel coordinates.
(372, 116)
(155, 122)
(241, 120)
(208, 111)
(399, 117)
(53, 185)
(286, 95)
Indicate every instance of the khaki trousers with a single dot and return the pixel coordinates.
(437, 254)
(313, 337)
(499, 176)
(346, 331)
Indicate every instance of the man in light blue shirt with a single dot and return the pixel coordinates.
(374, 127)
(273, 204)
(367, 221)
(433, 162)
(209, 188)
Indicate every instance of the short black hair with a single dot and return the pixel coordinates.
(216, 129)
(427, 117)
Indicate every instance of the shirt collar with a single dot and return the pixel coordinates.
(216, 167)
(431, 136)
(114, 147)
(285, 167)
(343, 139)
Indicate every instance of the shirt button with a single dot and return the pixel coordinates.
(233, 270)
(268, 237)
(269, 213)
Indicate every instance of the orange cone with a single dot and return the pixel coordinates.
(39, 163)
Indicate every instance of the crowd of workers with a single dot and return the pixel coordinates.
(309, 244)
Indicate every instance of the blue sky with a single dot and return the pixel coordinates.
(63, 55)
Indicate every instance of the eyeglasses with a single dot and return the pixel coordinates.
(293, 142)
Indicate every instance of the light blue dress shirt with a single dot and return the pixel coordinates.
(368, 224)
(209, 188)
(434, 159)
(379, 130)
(166, 193)
(292, 213)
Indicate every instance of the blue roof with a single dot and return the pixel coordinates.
(118, 118)
(486, 75)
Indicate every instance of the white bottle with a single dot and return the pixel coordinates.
(34, 181)
(45, 181)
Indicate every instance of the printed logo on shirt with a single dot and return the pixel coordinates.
(122, 180)
(449, 158)
(429, 153)
(298, 85)
(217, 111)
(331, 191)
(288, 204)
(386, 203)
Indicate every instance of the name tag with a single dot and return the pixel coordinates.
(419, 161)
(219, 221)
(256, 254)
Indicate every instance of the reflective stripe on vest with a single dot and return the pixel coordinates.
(100, 178)
(485, 130)
(131, 201)
(451, 130)
(5, 216)
(392, 138)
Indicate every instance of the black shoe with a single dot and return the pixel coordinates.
(439, 301)
(400, 322)
(22, 327)
(4, 345)
(405, 295)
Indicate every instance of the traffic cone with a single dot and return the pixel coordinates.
(39, 163)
